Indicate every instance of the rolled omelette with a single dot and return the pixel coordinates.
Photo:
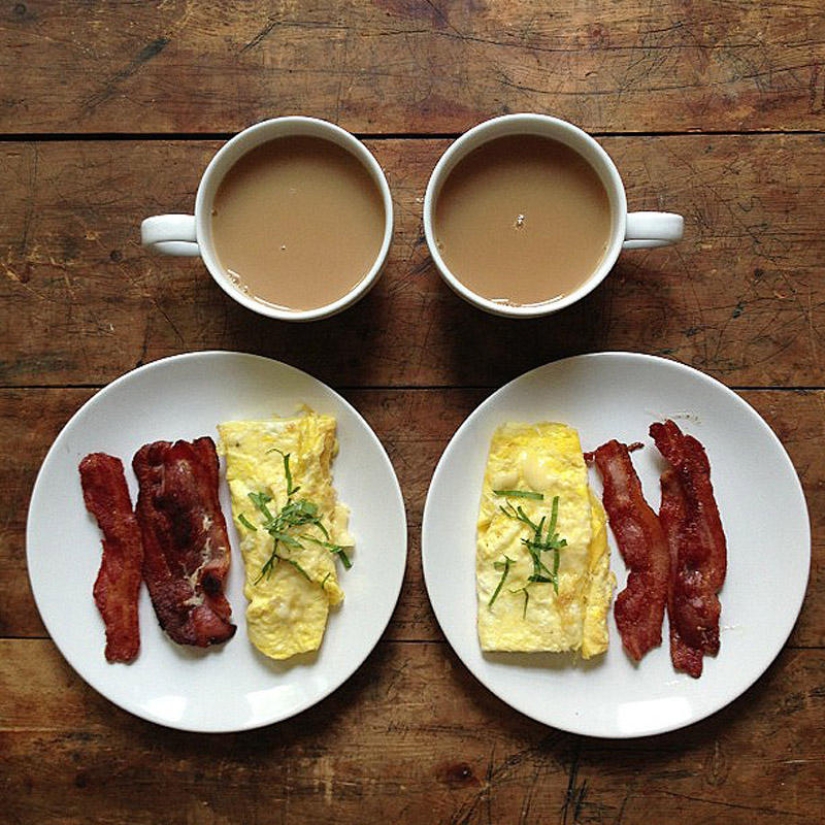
(543, 578)
(280, 465)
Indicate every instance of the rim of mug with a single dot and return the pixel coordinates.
(249, 139)
(569, 134)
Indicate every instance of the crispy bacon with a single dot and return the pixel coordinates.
(698, 548)
(640, 607)
(186, 545)
(672, 515)
(117, 586)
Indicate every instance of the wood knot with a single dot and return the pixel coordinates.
(457, 775)
(599, 35)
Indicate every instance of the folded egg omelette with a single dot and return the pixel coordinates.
(291, 527)
(543, 576)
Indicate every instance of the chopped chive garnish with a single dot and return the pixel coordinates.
(541, 540)
(283, 526)
(504, 566)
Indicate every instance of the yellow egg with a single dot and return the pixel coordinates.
(289, 521)
(543, 576)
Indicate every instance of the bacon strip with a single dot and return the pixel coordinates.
(698, 548)
(673, 515)
(117, 586)
(185, 540)
(640, 607)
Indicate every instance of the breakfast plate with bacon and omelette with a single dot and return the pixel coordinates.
(616, 545)
(269, 571)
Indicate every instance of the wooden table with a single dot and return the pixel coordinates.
(109, 113)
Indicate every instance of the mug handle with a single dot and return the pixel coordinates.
(170, 235)
(646, 230)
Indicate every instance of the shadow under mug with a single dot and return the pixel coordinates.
(628, 230)
(191, 235)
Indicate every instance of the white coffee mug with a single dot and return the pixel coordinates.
(191, 235)
(628, 230)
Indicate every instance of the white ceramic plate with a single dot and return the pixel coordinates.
(229, 687)
(618, 395)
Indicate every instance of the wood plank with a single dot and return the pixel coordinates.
(412, 737)
(412, 66)
(742, 297)
(415, 427)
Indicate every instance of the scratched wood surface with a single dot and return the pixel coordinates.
(740, 298)
(411, 66)
(110, 111)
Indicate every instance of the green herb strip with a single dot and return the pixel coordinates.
(520, 494)
(504, 566)
(291, 517)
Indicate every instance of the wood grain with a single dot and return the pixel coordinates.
(425, 752)
(412, 66)
(741, 298)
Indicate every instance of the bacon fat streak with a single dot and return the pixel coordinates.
(640, 607)
(117, 585)
(186, 545)
(698, 548)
